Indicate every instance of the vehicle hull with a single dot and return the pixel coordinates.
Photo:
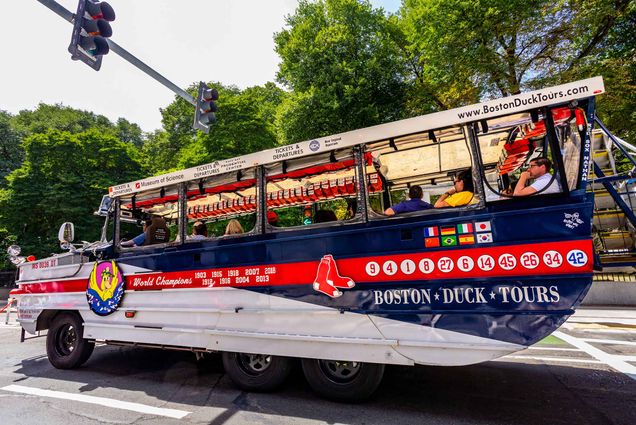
(374, 292)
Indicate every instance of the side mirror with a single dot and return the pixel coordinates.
(66, 235)
(104, 206)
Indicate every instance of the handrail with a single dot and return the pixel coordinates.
(616, 142)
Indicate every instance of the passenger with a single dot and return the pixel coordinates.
(415, 203)
(157, 232)
(199, 231)
(539, 170)
(461, 194)
(324, 216)
(233, 227)
(307, 216)
(352, 208)
(139, 239)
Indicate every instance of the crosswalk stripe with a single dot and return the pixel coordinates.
(601, 355)
(102, 401)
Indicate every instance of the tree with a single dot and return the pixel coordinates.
(10, 150)
(63, 178)
(467, 50)
(129, 132)
(64, 118)
(345, 71)
(245, 124)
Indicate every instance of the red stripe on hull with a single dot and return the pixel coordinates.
(571, 257)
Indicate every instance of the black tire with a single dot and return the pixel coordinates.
(256, 372)
(343, 380)
(66, 347)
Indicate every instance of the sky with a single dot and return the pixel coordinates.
(185, 41)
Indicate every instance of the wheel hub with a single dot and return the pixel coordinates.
(339, 371)
(67, 340)
(254, 364)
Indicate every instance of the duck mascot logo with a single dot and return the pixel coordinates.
(105, 288)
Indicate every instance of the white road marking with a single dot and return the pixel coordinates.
(624, 358)
(552, 348)
(552, 359)
(108, 402)
(608, 341)
(601, 355)
(601, 330)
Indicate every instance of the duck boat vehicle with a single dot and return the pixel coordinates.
(441, 286)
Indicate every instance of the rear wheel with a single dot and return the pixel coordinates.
(343, 380)
(66, 347)
(256, 372)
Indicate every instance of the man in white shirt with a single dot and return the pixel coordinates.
(539, 170)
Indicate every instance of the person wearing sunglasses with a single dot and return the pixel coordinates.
(461, 194)
(539, 170)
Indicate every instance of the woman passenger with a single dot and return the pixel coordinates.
(233, 227)
(461, 194)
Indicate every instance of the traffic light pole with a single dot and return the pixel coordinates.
(125, 54)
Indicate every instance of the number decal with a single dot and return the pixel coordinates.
(407, 266)
(553, 259)
(372, 268)
(529, 260)
(426, 265)
(465, 263)
(390, 267)
(577, 258)
(507, 261)
(445, 264)
(486, 262)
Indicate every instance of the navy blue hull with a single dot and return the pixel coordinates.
(516, 309)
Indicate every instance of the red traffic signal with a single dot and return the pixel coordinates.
(91, 28)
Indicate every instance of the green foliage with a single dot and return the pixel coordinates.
(11, 152)
(470, 49)
(63, 178)
(59, 117)
(245, 124)
(345, 70)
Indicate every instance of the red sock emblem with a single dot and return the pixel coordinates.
(321, 283)
(334, 277)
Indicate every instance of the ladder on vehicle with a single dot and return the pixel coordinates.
(613, 181)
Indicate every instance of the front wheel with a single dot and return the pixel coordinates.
(256, 372)
(343, 380)
(66, 347)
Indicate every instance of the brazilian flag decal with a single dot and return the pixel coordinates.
(449, 240)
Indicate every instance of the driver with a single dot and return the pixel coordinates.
(140, 239)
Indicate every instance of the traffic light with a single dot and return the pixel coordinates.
(91, 28)
(204, 113)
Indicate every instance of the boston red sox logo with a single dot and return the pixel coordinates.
(328, 280)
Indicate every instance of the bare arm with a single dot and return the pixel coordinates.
(441, 202)
(389, 211)
(521, 189)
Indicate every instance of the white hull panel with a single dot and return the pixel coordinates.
(227, 319)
